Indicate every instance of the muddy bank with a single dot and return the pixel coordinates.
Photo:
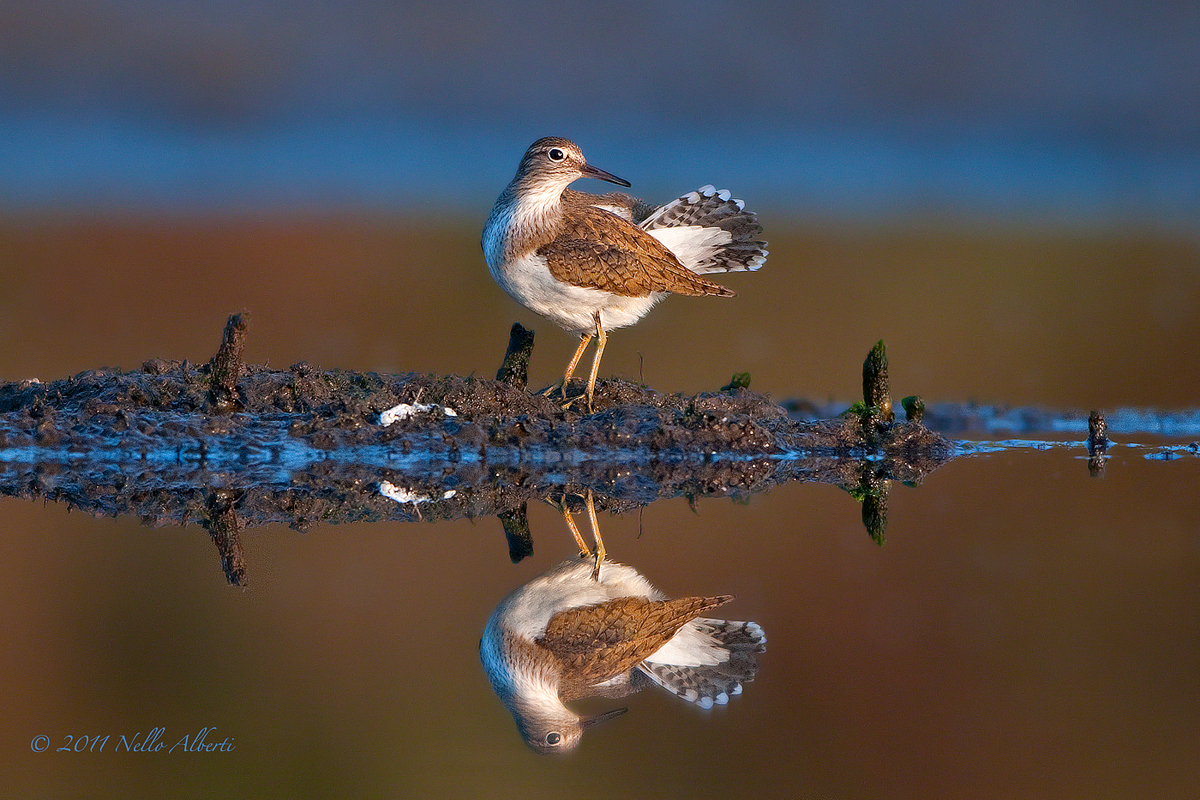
(188, 407)
(175, 442)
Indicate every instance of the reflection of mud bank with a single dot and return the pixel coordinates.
(304, 445)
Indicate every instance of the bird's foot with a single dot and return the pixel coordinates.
(568, 401)
(561, 388)
(557, 386)
(588, 404)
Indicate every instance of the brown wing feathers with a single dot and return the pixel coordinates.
(599, 250)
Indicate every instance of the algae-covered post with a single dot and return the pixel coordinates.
(876, 391)
(914, 408)
(1097, 444)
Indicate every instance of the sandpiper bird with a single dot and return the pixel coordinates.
(591, 263)
(577, 632)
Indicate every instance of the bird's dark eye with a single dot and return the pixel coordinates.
(556, 154)
(553, 737)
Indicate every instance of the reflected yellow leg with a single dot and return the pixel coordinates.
(600, 551)
(584, 550)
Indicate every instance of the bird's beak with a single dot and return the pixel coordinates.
(592, 172)
(603, 716)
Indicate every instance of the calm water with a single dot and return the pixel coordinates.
(1027, 630)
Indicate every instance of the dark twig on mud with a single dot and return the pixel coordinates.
(515, 369)
(226, 366)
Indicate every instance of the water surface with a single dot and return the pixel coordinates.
(1026, 630)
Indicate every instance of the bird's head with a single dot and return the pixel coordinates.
(554, 161)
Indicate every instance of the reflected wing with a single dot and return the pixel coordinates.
(596, 642)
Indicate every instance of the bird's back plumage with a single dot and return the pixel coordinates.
(594, 250)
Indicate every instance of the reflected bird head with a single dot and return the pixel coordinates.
(558, 732)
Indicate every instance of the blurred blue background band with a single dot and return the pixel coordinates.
(1062, 112)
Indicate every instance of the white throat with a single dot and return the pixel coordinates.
(524, 214)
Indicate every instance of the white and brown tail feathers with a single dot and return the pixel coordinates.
(735, 645)
(707, 230)
(723, 233)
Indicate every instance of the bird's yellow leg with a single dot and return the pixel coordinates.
(601, 340)
(566, 379)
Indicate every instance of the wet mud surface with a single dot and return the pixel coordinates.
(230, 445)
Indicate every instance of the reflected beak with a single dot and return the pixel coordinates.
(603, 716)
(592, 172)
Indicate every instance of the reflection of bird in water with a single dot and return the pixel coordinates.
(579, 631)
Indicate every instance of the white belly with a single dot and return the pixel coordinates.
(529, 608)
(528, 281)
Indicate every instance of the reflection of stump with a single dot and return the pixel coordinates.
(875, 513)
(516, 530)
(223, 526)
